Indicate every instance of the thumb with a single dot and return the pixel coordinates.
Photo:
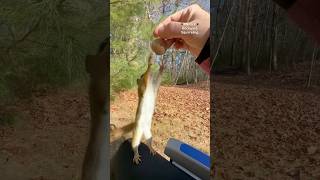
(169, 30)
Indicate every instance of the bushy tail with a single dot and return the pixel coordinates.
(117, 133)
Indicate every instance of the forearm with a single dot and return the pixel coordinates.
(305, 13)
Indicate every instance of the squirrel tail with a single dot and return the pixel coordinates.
(117, 133)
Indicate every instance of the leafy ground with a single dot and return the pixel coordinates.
(265, 127)
(182, 112)
(47, 139)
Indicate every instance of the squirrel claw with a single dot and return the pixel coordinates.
(137, 159)
(152, 151)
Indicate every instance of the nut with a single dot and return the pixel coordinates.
(158, 46)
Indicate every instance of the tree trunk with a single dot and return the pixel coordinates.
(274, 36)
(248, 36)
(311, 66)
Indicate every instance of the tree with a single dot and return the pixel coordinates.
(45, 42)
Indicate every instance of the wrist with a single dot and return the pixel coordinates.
(203, 60)
(205, 66)
(204, 52)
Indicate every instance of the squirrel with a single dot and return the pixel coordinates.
(148, 86)
(95, 161)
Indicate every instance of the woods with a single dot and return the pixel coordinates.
(44, 101)
(258, 36)
(130, 46)
(264, 92)
(43, 44)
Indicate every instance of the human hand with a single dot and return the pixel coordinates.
(172, 29)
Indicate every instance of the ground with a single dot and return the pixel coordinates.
(182, 112)
(265, 127)
(48, 138)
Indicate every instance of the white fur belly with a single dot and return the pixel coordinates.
(147, 108)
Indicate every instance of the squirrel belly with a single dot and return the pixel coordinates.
(144, 114)
(148, 85)
(146, 107)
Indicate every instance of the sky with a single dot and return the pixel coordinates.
(170, 7)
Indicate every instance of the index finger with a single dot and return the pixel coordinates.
(177, 17)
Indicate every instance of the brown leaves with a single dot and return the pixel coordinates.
(181, 112)
(311, 150)
(269, 130)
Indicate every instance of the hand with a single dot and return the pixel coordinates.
(170, 30)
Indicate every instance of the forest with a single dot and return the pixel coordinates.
(44, 108)
(130, 46)
(269, 40)
(184, 85)
(44, 101)
(44, 43)
(265, 94)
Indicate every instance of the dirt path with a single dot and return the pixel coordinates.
(48, 140)
(265, 130)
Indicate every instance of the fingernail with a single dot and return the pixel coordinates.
(155, 33)
(160, 28)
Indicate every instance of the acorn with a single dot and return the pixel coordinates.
(159, 46)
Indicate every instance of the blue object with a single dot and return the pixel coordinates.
(189, 159)
(195, 154)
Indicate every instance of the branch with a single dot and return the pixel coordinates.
(133, 58)
(42, 43)
(25, 36)
(222, 36)
(128, 61)
(115, 2)
(61, 2)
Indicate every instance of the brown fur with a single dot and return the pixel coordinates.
(95, 161)
(142, 83)
(144, 79)
(119, 132)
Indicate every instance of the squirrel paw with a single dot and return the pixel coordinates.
(136, 159)
(152, 151)
(113, 126)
